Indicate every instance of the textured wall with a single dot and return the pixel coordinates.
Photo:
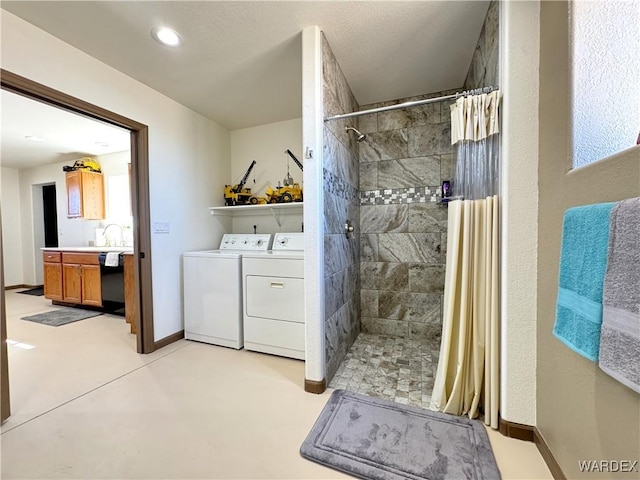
(484, 71)
(406, 156)
(605, 63)
(341, 203)
(582, 413)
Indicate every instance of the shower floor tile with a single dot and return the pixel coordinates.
(393, 368)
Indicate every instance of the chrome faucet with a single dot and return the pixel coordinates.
(104, 232)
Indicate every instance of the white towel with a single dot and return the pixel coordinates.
(112, 259)
(620, 335)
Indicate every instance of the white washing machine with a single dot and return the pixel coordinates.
(212, 282)
(274, 298)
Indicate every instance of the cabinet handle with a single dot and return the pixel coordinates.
(277, 284)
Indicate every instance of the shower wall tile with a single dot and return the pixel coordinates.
(341, 179)
(407, 306)
(384, 275)
(409, 172)
(368, 176)
(430, 140)
(427, 217)
(384, 326)
(369, 303)
(368, 247)
(403, 227)
(384, 146)
(447, 167)
(426, 278)
(483, 71)
(384, 218)
(410, 247)
(368, 123)
(409, 117)
(425, 332)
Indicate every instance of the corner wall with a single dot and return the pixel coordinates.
(519, 66)
(341, 203)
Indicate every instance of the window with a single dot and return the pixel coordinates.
(605, 57)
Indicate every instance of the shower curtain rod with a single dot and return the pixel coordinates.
(415, 103)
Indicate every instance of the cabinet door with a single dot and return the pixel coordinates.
(92, 195)
(74, 194)
(72, 284)
(91, 286)
(53, 281)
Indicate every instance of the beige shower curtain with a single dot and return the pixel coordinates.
(468, 376)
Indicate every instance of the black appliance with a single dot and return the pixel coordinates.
(112, 280)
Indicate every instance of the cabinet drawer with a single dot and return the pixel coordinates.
(80, 258)
(51, 257)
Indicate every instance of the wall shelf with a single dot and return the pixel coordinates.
(275, 209)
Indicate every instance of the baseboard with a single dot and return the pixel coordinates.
(516, 430)
(163, 342)
(23, 285)
(549, 459)
(313, 386)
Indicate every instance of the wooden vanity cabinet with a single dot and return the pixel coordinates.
(52, 265)
(74, 279)
(85, 195)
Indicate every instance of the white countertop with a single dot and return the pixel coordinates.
(89, 249)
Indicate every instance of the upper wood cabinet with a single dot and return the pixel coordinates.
(85, 195)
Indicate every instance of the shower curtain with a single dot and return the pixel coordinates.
(467, 379)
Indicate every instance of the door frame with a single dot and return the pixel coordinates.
(140, 194)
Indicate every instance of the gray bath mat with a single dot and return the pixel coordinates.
(55, 318)
(376, 439)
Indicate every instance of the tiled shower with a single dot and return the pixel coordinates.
(384, 285)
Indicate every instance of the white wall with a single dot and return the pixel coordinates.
(266, 144)
(11, 227)
(189, 155)
(520, 53)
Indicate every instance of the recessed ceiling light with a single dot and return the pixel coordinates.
(166, 36)
(33, 138)
(102, 144)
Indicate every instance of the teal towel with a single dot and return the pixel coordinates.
(583, 261)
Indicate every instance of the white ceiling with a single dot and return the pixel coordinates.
(65, 136)
(240, 64)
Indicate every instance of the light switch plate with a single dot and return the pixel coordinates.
(161, 227)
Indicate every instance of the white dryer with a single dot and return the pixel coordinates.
(274, 298)
(212, 283)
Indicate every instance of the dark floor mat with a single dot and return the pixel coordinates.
(35, 291)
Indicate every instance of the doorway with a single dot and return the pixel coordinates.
(140, 209)
(50, 215)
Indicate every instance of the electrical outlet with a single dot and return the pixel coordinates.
(161, 227)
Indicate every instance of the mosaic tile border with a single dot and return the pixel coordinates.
(338, 186)
(391, 196)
